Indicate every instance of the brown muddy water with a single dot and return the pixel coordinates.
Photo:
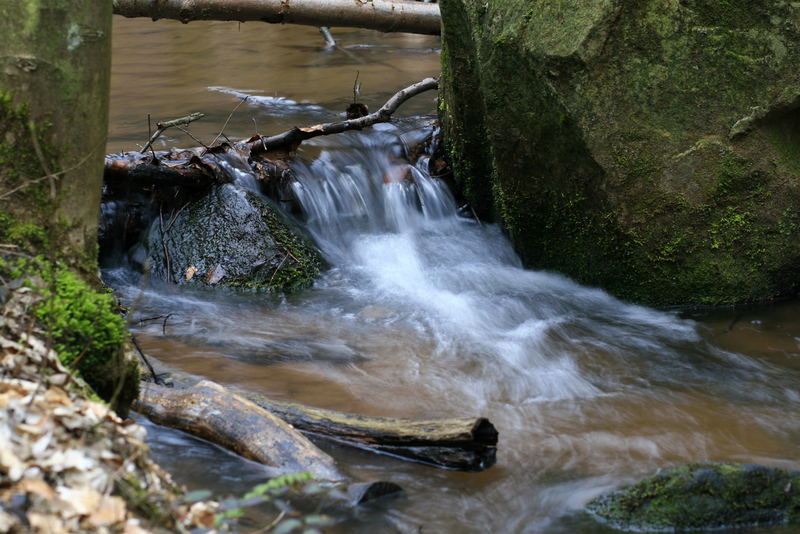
(426, 314)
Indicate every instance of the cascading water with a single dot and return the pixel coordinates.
(427, 313)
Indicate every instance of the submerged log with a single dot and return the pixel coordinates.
(381, 15)
(212, 412)
(463, 443)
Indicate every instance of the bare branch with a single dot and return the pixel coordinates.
(161, 126)
(381, 15)
(384, 114)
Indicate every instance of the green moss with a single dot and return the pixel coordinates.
(704, 495)
(88, 335)
(598, 133)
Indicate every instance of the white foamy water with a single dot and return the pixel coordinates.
(426, 313)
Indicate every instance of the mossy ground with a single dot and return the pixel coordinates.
(597, 133)
(704, 495)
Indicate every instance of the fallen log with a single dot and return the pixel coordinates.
(139, 172)
(381, 15)
(464, 443)
(212, 412)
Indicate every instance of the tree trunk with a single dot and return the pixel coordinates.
(382, 15)
(55, 59)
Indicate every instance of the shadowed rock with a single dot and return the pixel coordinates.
(704, 496)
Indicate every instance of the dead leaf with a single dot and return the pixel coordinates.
(190, 272)
(37, 487)
(315, 128)
(215, 274)
(56, 395)
(110, 511)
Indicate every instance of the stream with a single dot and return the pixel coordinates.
(426, 313)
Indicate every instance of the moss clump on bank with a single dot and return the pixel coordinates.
(89, 336)
(649, 148)
(81, 321)
(704, 495)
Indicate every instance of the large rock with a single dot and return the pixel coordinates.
(704, 496)
(235, 238)
(650, 147)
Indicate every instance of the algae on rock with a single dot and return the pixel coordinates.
(651, 148)
(232, 237)
(702, 496)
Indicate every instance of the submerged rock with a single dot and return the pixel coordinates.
(651, 148)
(703, 496)
(232, 237)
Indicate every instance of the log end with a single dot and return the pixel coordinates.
(484, 432)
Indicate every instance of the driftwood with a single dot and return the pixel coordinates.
(381, 15)
(209, 411)
(212, 412)
(139, 172)
(463, 443)
(466, 444)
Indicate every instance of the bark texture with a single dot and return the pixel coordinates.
(55, 61)
(461, 443)
(214, 413)
(382, 15)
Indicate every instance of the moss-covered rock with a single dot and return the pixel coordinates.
(232, 237)
(702, 496)
(651, 148)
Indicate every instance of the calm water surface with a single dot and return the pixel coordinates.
(425, 314)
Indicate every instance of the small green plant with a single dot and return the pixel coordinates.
(272, 491)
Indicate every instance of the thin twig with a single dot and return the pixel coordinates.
(42, 162)
(161, 126)
(35, 181)
(187, 132)
(175, 217)
(164, 324)
(146, 361)
(278, 269)
(356, 88)
(242, 101)
(170, 278)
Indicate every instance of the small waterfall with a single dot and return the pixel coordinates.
(370, 191)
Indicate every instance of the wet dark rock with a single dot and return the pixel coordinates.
(649, 147)
(232, 237)
(704, 496)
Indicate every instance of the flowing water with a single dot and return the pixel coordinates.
(426, 313)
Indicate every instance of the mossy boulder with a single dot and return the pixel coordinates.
(232, 237)
(651, 148)
(704, 496)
